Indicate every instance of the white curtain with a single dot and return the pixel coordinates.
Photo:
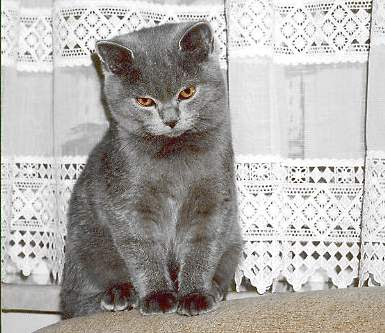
(307, 102)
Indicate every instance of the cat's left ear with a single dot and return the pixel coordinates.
(117, 58)
(198, 40)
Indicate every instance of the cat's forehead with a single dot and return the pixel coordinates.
(158, 58)
(163, 78)
(158, 38)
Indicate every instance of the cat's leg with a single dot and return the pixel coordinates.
(206, 228)
(148, 263)
(196, 294)
(225, 271)
(77, 302)
(146, 259)
(201, 300)
(110, 273)
(96, 284)
(149, 272)
(78, 295)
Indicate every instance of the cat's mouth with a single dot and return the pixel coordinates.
(174, 133)
(168, 132)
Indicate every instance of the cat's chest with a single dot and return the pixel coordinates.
(170, 188)
(173, 207)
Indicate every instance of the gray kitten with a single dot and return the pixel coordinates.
(153, 217)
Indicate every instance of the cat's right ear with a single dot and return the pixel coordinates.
(198, 40)
(116, 58)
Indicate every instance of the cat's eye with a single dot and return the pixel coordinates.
(145, 101)
(187, 93)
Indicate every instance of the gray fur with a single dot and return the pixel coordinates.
(153, 200)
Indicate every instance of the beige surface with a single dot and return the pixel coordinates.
(343, 310)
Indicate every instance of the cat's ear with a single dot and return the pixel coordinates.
(198, 40)
(116, 58)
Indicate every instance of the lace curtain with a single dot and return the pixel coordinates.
(306, 92)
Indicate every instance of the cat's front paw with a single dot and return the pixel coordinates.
(119, 297)
(159, 302)
(196, 303)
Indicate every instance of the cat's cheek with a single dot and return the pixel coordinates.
(128, 120)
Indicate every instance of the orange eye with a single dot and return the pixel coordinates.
(187, 93)
(145, 101)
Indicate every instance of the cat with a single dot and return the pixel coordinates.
(152, 219)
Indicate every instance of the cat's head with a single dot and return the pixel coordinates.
(165, 80)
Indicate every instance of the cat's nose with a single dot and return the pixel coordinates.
(171, 123)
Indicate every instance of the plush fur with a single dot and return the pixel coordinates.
(153, 217)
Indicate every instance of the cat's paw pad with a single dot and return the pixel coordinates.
(158, 302)
(118, 298)
(196, 303)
